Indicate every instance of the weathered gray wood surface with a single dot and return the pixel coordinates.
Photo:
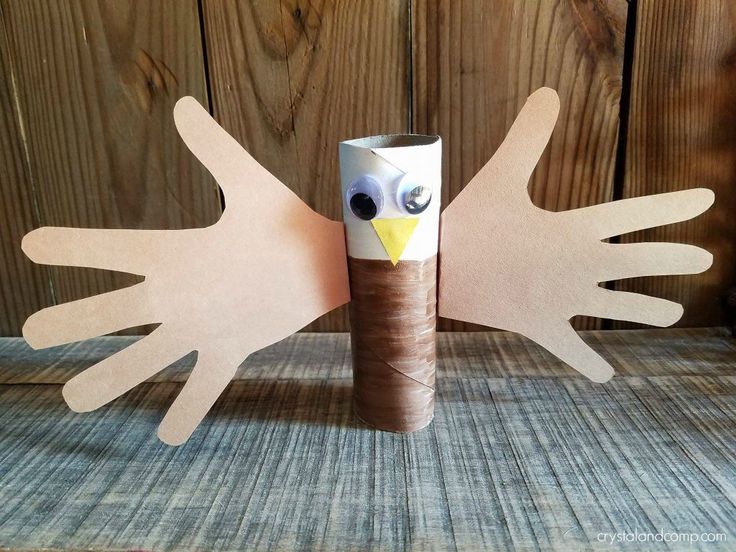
(523, 453)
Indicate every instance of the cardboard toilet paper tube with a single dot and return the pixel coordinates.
(393, 338)
(391, 197)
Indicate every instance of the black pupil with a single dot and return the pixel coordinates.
(363, 206)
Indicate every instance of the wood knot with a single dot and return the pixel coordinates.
(600, 30)
(728, 62)
(145, 78)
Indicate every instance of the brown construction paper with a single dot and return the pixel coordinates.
(393, 342)
(508, 264)
(267, 268)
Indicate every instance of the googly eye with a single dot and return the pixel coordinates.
(365, 198)
(413, 198)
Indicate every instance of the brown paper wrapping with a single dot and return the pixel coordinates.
(393, 336)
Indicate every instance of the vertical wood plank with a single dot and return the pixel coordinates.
(96, 84)
(475, 63)
(682, 134)
(292, 78)
(24, 287)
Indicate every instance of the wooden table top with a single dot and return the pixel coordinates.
(523, 453)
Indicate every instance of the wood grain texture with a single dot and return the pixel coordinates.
(708, 351)
(682, 134)
(95, 87)
(520, 456)
(291, 79)
(87, 88)
(474, 64)
(24, 287)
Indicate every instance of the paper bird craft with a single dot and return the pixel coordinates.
(271, 265)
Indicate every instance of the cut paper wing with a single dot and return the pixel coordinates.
(267, 268)
(508, 264)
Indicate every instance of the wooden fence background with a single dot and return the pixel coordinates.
(87, 89)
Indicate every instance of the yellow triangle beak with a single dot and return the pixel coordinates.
(395, 234)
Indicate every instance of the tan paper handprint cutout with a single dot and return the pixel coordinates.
(267, 268)
(508, 264)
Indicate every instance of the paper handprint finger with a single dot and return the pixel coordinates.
(234, 168)
(115, 375)
(121, 250)
(527, 139)
(208, 380)
(560, 339)
(638, 213)
(632, 260)
(518, 155)
(99, 315)
(632, 307)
